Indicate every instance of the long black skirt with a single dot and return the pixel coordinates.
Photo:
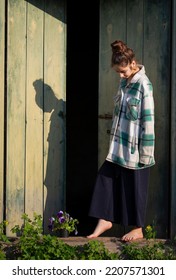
(120, 195)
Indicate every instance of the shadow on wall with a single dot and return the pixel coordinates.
(53, 150)
(53, 7)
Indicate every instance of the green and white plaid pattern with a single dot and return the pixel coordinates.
(132, 135)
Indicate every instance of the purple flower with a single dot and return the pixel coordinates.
(52, 220)
(61, 220)
(67, 216)
(60, 214)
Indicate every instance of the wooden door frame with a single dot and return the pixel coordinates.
(173, 128)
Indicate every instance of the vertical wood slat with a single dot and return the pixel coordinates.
(54, 108)
(173, 128)
(135, 27)
(16, 73)
(2, 76)
(157, 63)
(34, 111)
(112, 27)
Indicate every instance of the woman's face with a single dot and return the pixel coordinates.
(124, 72)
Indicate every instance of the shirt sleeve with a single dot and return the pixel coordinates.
(147, 135)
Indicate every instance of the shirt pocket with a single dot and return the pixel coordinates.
(132, 110)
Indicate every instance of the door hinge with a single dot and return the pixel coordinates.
(105, 116)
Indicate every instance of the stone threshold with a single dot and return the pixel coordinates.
(113, 244)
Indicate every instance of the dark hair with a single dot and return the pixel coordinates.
(121, 54)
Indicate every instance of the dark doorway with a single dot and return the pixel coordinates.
(82, 109)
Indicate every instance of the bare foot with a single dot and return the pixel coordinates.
(133, 235)
(101, 227)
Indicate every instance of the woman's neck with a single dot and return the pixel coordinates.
(132, 75)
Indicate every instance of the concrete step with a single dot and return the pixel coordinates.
(113, 244)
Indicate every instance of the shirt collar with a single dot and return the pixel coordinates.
(135, 78)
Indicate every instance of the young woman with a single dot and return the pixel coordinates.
(120, 192)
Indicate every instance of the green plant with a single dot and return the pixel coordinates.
(56, 249)
(2, 255)
(95, 250)
(33, 245)
(156, 251)
(30, 235)
(63, 220)
(30, 228)
(150, 232)
(3, 237)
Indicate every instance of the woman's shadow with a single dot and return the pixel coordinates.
(54, 141)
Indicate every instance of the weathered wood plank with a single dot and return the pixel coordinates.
(16, 84)
(112, 27)
(34, 111)
(157, 30)
(54, 108)
(135, 28)
(173, 128)
(2, 71)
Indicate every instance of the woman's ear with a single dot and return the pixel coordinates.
(133, 64)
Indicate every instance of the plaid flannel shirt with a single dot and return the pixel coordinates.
(132, 134)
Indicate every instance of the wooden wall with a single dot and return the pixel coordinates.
(33, 89)
(33, 100)
(146, 27)
(173, 128)
(2, 85)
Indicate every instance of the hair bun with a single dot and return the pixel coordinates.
(119, 47)
(121, 53)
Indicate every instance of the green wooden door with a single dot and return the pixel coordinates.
(145, 27)
(33, 88)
